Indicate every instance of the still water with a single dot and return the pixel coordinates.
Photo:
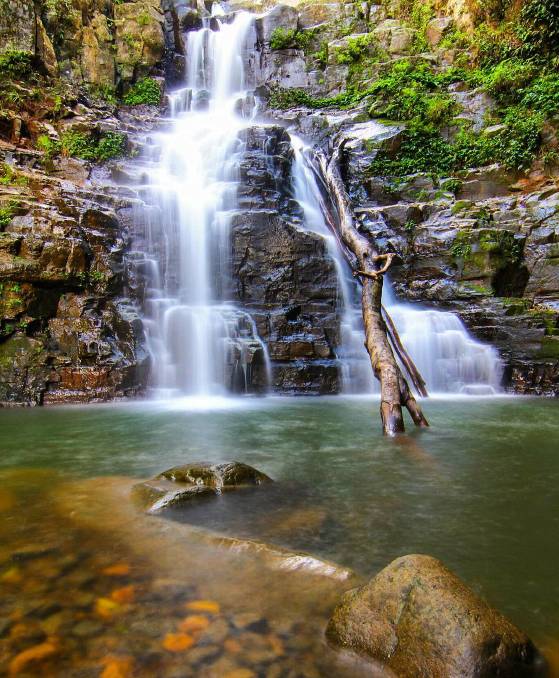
(479, 490)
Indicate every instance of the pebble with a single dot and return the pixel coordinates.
(5, 625)
(83, 600)
(178, 642)
(208, 606)
(217, 632)
(107, 608)
(32, 551)
(32, 655)
(194, 623)
(199, 655)
(117, 570)
(41, 609)
(87, 628)
(118, 667)
(248, 620)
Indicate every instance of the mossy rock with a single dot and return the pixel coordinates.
(419, 619)
(181, 484)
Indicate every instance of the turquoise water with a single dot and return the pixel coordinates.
(479, 489)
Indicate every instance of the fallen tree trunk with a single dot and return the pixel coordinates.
(395, 392)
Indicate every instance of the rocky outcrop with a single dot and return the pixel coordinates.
(418, 619)
(481, 242)
(22, 29)
(489, 258)
(283, 275)
(180, 485)
(139, 38)
(67, 330)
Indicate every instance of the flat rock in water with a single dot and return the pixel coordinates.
(181, 484)
(419, 619)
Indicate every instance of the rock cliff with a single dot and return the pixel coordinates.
(443, 168)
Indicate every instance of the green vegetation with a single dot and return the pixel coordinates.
(146, 91)
(10, 177)
(355, 49)
(291, 38)
(7, 212)
(499, 243)
(91, 279)
(15, 64)
(538, 26)
(288, 98)
(92, 147)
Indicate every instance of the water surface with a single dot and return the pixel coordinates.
(478, 490)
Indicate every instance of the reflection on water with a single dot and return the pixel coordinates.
(478, 490)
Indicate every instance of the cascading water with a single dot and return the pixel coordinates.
(449, 359)
(200, 344)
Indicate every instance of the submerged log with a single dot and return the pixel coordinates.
(395, 392)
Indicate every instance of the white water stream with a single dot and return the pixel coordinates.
(201, 344)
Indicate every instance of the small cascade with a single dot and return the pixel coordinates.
(449, 359)
(357, 376)
(200, 343)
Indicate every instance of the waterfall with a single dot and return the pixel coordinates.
(449, 359)
(200, 343)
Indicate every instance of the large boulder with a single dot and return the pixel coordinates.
(182, 484)
(139, 38)
(419, 619)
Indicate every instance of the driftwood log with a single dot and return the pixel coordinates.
(395, 391)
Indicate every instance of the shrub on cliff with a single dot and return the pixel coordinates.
(146, 91)
(15, 64)
(95, 148)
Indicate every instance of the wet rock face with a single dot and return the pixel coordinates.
(181, 484)
(419, 619)
(67, 331)
(283, 275)
(489, 256)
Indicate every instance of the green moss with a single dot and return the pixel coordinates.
(515, 306)
(146, 91)
(462, 246)
(549, 348)
(143, 19)
(477, 288)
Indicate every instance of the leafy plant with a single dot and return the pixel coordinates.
(542, 94)
(145, 91)
(16, 64)
(286, 38)
(7, 213)
(452, 185)
(509, 76)
(354, 50)
(95, 148)
(10, 177)
(539, 25)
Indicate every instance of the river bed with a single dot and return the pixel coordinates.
(478, 490)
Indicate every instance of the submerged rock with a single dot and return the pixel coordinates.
(420, 619)
(184, 483)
